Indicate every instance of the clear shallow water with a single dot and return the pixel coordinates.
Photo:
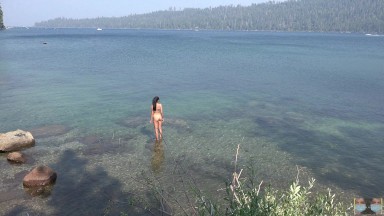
(307, 99)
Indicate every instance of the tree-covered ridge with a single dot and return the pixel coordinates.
(1, 19)
(291, 15)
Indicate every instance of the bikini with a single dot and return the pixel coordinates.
(157, 111)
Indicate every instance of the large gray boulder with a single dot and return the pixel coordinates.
(16, 140)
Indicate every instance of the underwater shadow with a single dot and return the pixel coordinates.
(20, 210)
(346, 160)
(147, 132)
(82, 191)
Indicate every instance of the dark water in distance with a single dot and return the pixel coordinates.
(308, 99)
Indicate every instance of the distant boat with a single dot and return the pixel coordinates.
(99, 29)
(375, 35)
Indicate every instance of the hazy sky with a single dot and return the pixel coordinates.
(27, 12)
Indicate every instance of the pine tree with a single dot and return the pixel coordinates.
(365, 16)
(1, 19)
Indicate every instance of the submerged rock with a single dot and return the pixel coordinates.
(43, 191)
(97, 145)
(175, 122)
(90, 139)
(180, 125)
(16, 157)
(40, 176)
(16, 140)
(133, 122)
(50, 130)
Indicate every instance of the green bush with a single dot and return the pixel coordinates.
(244, 197)
(297, 200)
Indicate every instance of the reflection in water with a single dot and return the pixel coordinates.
(157, 157)
(43, 191)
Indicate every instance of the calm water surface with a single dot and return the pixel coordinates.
(306, 101)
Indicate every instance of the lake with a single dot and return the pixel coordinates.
(295, 102)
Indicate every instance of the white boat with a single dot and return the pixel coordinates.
(373, 35)
(99, 29)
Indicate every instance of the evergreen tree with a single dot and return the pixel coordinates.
(1, 19)
(291, 15)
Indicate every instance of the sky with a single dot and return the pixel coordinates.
(28, 12)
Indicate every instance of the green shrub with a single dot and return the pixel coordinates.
(244, 197)
(297, 200)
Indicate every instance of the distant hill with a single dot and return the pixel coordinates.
(293, 15)
(1, 19)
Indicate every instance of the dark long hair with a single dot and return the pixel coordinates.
(154, 101)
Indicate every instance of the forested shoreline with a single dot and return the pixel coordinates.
(293, 15)
(1, 19)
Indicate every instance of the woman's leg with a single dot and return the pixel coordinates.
(156, 128)
(160, 128)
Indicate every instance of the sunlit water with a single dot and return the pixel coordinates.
(292, 101)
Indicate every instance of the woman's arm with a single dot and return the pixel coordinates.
(161, 111)
(151, 114)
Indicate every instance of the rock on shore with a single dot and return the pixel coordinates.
(16, 140)
(16, 157)
(40, 176)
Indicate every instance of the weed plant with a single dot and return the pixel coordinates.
(243, 198)
(297, 200)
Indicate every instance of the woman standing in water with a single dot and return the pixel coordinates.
(157, 117)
